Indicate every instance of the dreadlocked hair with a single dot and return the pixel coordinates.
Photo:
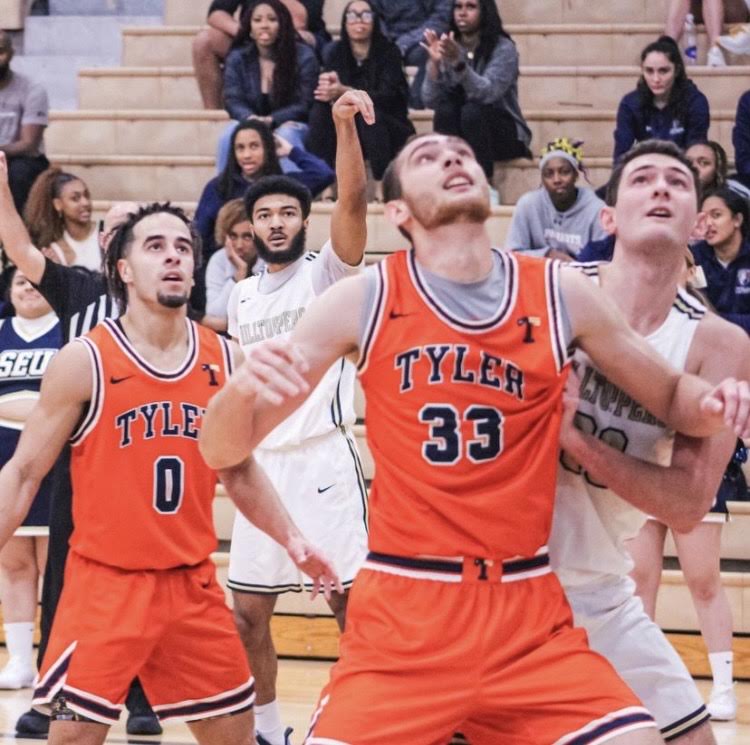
(123, 237)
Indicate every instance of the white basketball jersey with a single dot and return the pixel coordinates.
(269, 305)
(591, 523)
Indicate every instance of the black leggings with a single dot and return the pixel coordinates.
(490, 131)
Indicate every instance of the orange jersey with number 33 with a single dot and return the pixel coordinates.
(463, 416)
(142, 494)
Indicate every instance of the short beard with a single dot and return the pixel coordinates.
(476, 211)
(288, 255)
(172, 301)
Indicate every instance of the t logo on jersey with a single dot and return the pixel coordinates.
(211, 369)
(530, 322)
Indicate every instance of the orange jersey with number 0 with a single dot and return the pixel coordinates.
(142, 494)
(463, 416)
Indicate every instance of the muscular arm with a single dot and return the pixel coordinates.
(349, 220)
(13, 234)
(28, 143)
(65, 390)
(271, 383)
(680, 494)
(683, 401)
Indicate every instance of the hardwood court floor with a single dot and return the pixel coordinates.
(299, 684)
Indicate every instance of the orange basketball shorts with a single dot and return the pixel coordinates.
(170, 628)
(496, 658)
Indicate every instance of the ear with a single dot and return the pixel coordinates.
(608, 220)
(397, 212)
(306, 222)
(699, 227)
(57, 204)
(124, 270)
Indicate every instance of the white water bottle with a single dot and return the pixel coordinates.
(691, 40)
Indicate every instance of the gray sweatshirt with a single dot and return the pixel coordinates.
(495, 83)
(537, 226)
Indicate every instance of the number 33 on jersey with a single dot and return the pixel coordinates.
(139, 435)
(463, 416)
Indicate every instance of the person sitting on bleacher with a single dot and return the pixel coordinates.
(472, 84)
(666, 104)
(213, 43)
(363, 59)
(23, 118)
(713, 13)
(233, 262)
(270, 78)
(559, 217)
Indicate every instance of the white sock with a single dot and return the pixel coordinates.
(19, 639)
(268, 722)
(721, 668)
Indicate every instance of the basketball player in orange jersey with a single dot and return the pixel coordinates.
(455, 621)
(140, 595)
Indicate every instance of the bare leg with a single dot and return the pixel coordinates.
(77, 733)
(713, 17)
(236, 729)
(252, 614)
(676, 13)
(699, 552)
(647, 550)
(210, 47)
(19, 577)
(337, 604)
(702, 735)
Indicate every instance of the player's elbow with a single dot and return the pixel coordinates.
(693, 508)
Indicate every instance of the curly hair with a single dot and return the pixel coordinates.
(45, 224)
(122, 239)
(722, 165)
(284, 51)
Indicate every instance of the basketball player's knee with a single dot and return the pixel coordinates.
(18, 568)
(705, 587)
(252, 624)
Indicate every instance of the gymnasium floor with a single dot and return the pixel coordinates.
(299, 684)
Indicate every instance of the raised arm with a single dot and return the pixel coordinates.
(685, 402)
(349, 220)
(277, 375)
(65, 389)
(13, 234)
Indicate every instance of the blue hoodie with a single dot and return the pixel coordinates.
(636, 122)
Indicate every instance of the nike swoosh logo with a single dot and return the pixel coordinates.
(326, 488)
(394, 314)
(115, 380)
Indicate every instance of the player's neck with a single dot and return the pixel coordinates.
(459, 251)
(162, 332)
(643, 285)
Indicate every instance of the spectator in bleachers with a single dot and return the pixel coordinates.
(58, 216)
(34, 332)
(666, 104)
(712, 13)
(363, 59)
(472, 84)
(404, 23)
(270, 78)
(741, 139)
(235, 261)
(213, 43)
(23, 118)
(724, 258)
(559, 217)
(710, 160)
(255, 153)
(737, 41)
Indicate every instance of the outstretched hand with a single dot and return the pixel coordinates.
(315, 565)
(731, 398)
(354, 102)
(273, 370)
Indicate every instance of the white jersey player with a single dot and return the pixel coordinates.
(619, 461)
(311, 459)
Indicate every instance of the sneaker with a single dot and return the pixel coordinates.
(737, 41)
(722, 706)
(715, 57)
(32, 724)
(16, 674)
(287, 738)
(143, 724)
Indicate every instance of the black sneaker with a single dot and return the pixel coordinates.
(33, 724)
(287, 733)
(143, 724)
